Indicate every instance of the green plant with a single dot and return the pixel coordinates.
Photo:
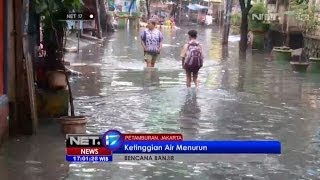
(257, 12)
(136, 14)
(257, 18)
(53, 12)
(123, 14)
(236, 19)
(306, 15)
(259, 26)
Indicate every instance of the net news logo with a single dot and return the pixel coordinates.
(112, 140)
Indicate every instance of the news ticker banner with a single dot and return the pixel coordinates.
(114, 145)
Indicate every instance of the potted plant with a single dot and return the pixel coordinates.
(315, 65)
(299, 62)
(52, 12)
(122, 19)
(299, 66)
(258, 25)
(282, 53)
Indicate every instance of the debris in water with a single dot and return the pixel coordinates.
(33, 162)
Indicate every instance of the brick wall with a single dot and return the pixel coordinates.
(4, 110)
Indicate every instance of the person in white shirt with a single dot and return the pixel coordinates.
(151, 41)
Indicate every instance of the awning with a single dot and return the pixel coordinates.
(196, 7)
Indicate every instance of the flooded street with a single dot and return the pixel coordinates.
(237, 99)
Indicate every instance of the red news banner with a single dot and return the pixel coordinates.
(153, 137)
(77, 145)
(88, 151)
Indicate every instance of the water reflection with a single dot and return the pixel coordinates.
(242, 75)
(225, 84)
(151, 77)
(190, 115)
(225, 52)
(35, 157)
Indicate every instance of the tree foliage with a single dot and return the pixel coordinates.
(257, 9)
(236, 19)
(307, 15)
(53, 27)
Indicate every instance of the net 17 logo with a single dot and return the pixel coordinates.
(113, 140)
(83, 144)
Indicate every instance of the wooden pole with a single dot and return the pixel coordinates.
(70, 93)
(11, 55)
(28, 51)
(21, 112)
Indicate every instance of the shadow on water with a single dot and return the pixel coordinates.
(225, 52)
(151, 77)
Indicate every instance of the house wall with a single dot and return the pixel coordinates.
(312, 40)
(310, 43)
(312, 46)
(4, 109)
(1, 52)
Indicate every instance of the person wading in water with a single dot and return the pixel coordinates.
(192, 58)
(151, 41)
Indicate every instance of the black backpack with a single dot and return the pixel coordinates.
(194, 59)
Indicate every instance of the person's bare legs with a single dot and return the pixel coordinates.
(188, 78)
(195, 79)
(148, 62)
(153, 62)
